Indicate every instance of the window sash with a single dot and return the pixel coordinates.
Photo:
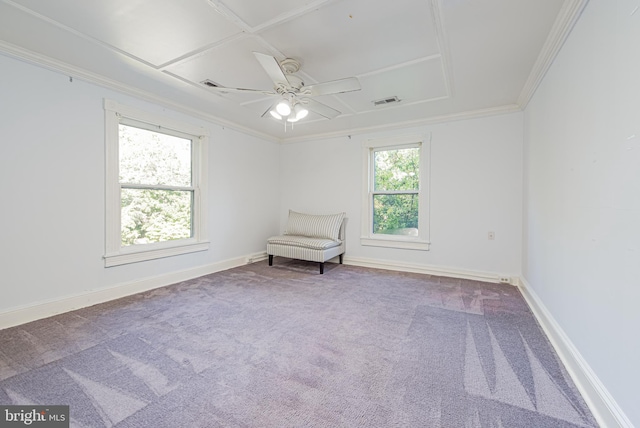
(375, 151)
(396, 192)
(373, 198)
(163, 131)
(155, 187)
(174, 232)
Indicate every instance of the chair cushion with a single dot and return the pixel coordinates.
(304, 242)
(314, 226)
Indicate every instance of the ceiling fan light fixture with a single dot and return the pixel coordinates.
(300, 112)
(283, 108)
(275, 114)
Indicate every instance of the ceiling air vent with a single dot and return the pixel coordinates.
(210, 83)
(385, 101)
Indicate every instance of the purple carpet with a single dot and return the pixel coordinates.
(283, 346)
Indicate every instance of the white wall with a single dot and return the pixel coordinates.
(476, 187)
(52, 182)
(582, 195)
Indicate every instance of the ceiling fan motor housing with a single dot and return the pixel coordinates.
(290, 65)
(295, 82)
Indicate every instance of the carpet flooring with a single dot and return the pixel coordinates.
(282, 346)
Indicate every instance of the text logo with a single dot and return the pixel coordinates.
(34, 416)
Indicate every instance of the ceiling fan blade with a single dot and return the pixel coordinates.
(271, 107)
(224, 89)
(321, 109)
(333, 87)
(272, 67)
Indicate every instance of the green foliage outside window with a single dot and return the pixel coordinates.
(151, 159)
(155, 216)
(396, 185)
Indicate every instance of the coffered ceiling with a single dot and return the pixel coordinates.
(442, 59)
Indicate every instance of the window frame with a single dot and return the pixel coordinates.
(115, 253)
(369, 147)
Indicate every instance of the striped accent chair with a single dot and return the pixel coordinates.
(315, 238)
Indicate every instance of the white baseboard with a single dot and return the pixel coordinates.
(415, 268)
(257, 257)
(44, 309)
(602, 405)
(424, 269)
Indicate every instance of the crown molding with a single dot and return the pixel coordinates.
(564, 23)
(94, 78)
(432, 120)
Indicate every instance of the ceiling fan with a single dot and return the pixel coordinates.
(294, 98)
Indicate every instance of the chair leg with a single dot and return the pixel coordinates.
(270, 259)
(341, 258)
(321, 268)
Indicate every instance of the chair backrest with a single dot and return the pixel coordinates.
(342, 235)
(328, 226)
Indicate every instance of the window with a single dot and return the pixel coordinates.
(395, 202)
(155, 198)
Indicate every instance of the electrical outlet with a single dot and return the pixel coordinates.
(492, 236)
(505, 279)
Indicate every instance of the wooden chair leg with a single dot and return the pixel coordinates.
(321, 268)
(270, 259)
(341, 258)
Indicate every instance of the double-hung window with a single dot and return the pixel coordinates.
(395, 201)
(155, 174)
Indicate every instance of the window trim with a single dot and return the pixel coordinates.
(115, 254)
(367, 237)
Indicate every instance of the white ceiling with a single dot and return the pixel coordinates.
(444, 59)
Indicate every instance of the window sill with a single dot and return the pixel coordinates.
(152, 252)
(405, 244)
